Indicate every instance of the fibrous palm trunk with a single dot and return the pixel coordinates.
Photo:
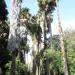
(64, 57)
(45, 32)
(43, 27)
(12, 70)
(34, 54)
(50, 31)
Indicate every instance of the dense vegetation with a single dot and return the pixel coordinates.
(46, 53)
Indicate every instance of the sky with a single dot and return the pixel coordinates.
(66, 10)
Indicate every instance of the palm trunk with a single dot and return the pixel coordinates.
(38, 42)
(64, 57)
(64, 61)
(48, 27)
(45, 31)
(50, 31)
(44, 14)
(12, 72)
(34, 55)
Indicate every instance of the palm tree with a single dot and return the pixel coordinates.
(36, 35)
(13, 41)
(63, 52)
(62, 45)
(24, 21)
(33, 28)
(46, 7)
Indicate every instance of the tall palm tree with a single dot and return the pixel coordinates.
(24, 21)
(33, 28)
(36, 35)
(63, 51)
(13, 41)
(46, 7)
(62, 45)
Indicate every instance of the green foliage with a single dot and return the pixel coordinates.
(24, 14)
(71, 61)
(69, 36)
(4, 53)
(21, 69)
(4, 31)
(56, 42)
(47, 5)
(54, 60)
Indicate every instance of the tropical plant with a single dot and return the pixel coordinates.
(21, 69)
(46, 7)
(69, 38)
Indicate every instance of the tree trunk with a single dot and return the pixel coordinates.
(12, 72)
(48, 28)
(38, 65)
(50, 31)
(44, 14)
(34, 55)
(64, 57)
(45, 31)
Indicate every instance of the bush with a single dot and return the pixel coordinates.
(21, 69)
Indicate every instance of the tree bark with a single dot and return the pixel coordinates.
(12, 71)
(63, 52)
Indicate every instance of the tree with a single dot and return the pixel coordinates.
(24, 20)
(4, 53)
(46, 7)
(4, 31)
(63, 51)
(35, 32)
(70, 47)
(53, 58)
(14, 40)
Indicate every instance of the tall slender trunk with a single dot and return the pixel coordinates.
(12, 71)
(45, 31)
(38, 66)
(50, 31)
(64, 57)
(34, 55)
(44, 14)
(62, 45)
